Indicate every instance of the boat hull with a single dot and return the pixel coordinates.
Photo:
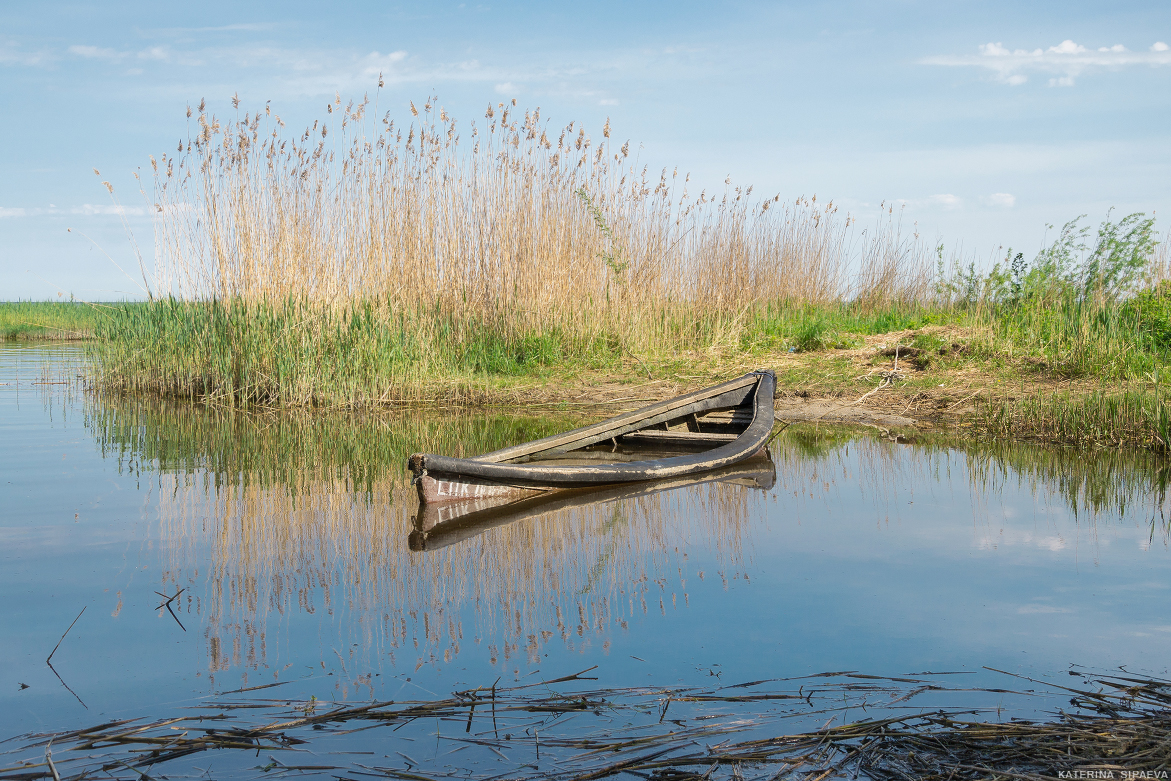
(439, 525)
(510, 472)
(436, 490)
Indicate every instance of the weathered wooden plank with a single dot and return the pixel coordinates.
(728, 394)
(677, 437)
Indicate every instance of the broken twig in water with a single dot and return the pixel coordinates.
(49, 658)
(167, 605)
(49, 662)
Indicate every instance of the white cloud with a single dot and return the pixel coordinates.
(946, 200)
(1003, 200)
(506, 88)
(1067, 47)
(6, 211)
(1065, 61)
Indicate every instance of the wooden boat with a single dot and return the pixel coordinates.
(439, 525)
(712, 428)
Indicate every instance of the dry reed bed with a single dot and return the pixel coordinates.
(361, 261)
(503, 225)
(558, 729)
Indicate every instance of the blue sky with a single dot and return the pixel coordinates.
(986, 120)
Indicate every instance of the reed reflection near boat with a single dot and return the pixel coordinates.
(715, 427)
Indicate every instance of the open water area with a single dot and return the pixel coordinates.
(294, 543)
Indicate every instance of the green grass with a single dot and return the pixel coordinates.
(298, 354)
(50, 319)
(811, 327)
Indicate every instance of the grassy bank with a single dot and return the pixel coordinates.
(363, 263)
(1079, 374)
(55, 320)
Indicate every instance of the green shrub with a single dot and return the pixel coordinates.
(1151, 311)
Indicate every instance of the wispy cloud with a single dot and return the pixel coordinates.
(13, 54)
(158, 54)
(1063, 63)
(951, 202)
(308, 71)
(84, 210)
(223, 28)
(97, 53)
(1041, 609)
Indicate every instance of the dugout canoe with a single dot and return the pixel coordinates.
(439, 525)
(711, 428)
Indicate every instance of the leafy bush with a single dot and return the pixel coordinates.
(1151, 310)
(1103, 269)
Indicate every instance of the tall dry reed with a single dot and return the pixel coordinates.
(504, 222)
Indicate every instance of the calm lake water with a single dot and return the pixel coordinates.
(291, 539)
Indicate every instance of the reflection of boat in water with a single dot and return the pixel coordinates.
(440, 525)
(717, 427)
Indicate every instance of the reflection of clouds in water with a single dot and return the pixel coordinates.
(1016, 495)
(1015, 537)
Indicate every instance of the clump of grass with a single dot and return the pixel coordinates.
(1150, 311)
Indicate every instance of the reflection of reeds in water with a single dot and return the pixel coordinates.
(288, 515)
(1095, 486)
